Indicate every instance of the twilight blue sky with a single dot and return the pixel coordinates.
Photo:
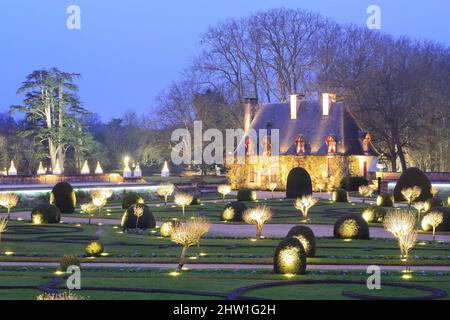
(128, 51)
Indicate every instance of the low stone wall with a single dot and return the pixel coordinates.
(53, 179)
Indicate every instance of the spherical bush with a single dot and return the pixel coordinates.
(145, 221)
(306, 237)
(67, 261)
(351, 226)
(130, 198)
(410, 178)
(233, 211)
(340, 195)
(290, 257)
(373, 214)
(298, 184)
(167, 227)
(63, 196)
(385, 200)
(46, 213)
(94, 249)
(246, 195)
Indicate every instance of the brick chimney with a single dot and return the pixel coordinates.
(250, 108)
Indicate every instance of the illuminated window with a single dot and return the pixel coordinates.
(252, 174)
(366, 143)
(331, 143)
(300, 145)
(248, 146)
(267, 146)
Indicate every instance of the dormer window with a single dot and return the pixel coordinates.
(300, 144)
(331, 144)
(366, 143)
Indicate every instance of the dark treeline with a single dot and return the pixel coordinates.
(397, 88)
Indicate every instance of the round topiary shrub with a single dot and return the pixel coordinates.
(350, 183)
(385, 200)
(298, 184)
(130, 198)
(233, 211)
(410, 178)
(306, 237)
(246, 195)
(138, 216)
(94, 249)
(340, 195)
(351, 226)
(433, 203)
(63, 196)
(290, 257)
(445, 225)
(45, 213)
(373, 214)
(67, 261)
(167, 227)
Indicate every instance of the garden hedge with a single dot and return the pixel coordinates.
(146, 221)
(373, 214)
(385, 200)
(410, 178)
(63, 196)
(48, 212)
(350, 183)
(246, 195)
(306, 237)
(233, 211)
(351, 226)
(130, 198)
(340, 195)
(290, 257)
(298, 184)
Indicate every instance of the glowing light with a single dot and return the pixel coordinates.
(37, 219)
(59, 273)
(98, 168)
(137, 172)
(165, 170)
(9, 253)
(85, 169)
(12, 171)
(126, 168)
(104, 254)
(293, 105)
(57, 169)
(40, 170)
(174, 274)
(406, 276)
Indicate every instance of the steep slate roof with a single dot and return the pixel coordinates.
(313, 126)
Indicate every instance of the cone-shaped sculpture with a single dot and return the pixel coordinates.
(12, 171)
(165, 170)
(98, 169)
(85, 169)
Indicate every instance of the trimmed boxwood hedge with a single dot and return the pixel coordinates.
(373, 214)
(351, 226)
(146, 221)
(297, 257)
(298, 184)
(306, 237)
(340, 195)
(130, 198)
(233, 211)
(48, 212)
(63, 196)
(350, 183)
(385, 200)
(410, 178)
(246, 195)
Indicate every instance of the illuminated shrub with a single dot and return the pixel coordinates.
(306, 236)
(167, 227)
(48, 213)
(246, 195)
(233, 211)
(433, 203)
(445, 224)
(63, 196)
(353, 183)
(60, 296)
(290, 257)
(385, 200)
(131, 198)
(373, 214)
(340, 195)
(196, 195)
(298, 184)
(410, 178)
(67, 261)
(144, 221)
(431, 221)
(94, 249)
(351, 226)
